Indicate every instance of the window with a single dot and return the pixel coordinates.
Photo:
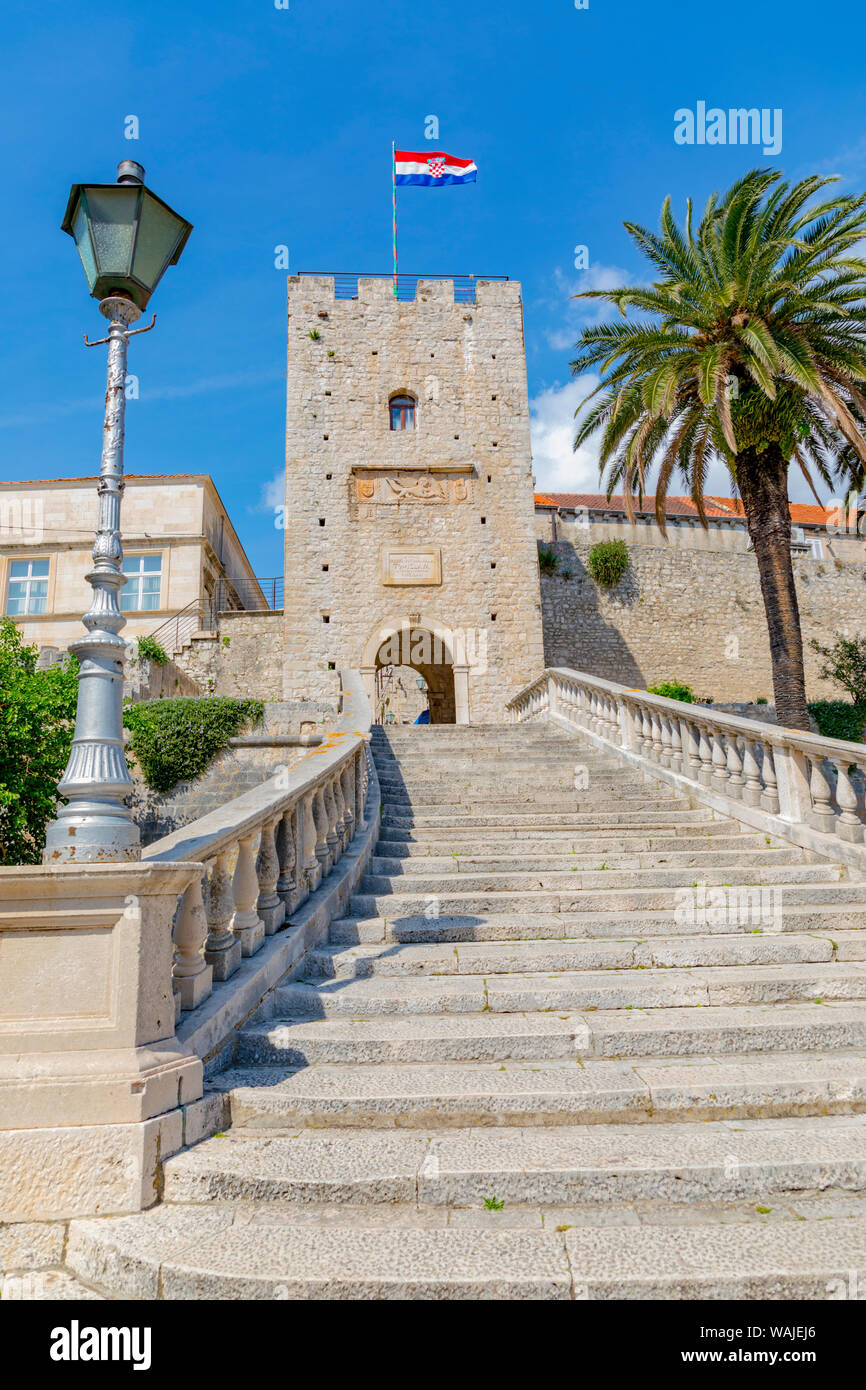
(141, 590)
(402, 412)
(28, 587)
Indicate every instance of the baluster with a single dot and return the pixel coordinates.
(340, 808)
(333, 836)
(320, 811)
(357, 765)
(736, 780)
(247, 925)
(222, 949)
(770, 794)
(848, 826)
(822, 816)
(720, 761)
(270, 906)
(705, 750)
(676, 762)
(192, 975)
(657, 746)
(667, 742)
(751, 793)
(691, 750)
(646, 732)
(312, 868)
(285, 842)
(347, 784)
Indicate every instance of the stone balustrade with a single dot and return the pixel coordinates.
(801, 785)
(99, 1082)
(264, 853)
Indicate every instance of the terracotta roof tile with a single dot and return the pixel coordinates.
(802, 514)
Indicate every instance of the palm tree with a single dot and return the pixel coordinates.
(754, 353)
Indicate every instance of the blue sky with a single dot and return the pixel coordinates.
(267, 126)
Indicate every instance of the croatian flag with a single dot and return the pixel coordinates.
(432, 170)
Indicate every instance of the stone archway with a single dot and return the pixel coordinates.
(426, 647)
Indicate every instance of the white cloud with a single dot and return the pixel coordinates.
(577, 313)
(556, 467)
(273, 494)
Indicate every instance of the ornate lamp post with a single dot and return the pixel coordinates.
(126, 238)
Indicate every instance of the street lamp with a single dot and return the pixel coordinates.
(126, 238)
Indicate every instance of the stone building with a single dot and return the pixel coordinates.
(179, 549)
(409, 524)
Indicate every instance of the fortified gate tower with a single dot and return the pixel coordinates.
(409, 524)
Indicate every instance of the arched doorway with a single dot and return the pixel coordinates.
(412, 649)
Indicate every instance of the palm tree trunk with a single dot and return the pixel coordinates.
(763, 482)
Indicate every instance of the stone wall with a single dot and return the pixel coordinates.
(146, 680)
(694, 617)
(431, 527)
(244, 659)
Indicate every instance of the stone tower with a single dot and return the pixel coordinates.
(409, 525)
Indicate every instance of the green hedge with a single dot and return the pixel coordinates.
(37, 711)
(176, 740)
(607, 562)
(839, 719)
(674, 690)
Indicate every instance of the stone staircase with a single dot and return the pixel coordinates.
(524, 1067)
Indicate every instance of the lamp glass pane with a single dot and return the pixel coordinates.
(158, 233)
(112, 220)
(82, 241)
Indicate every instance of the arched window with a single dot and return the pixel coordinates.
(402, 412)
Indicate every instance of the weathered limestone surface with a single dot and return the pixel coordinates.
(514, 1070)
(373, 516)
(691, 615)
(91, 1073)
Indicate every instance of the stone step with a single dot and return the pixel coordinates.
(476, 801)
(576, 847)
(585, 834)
(566, 991)
(385, 865)
(416, 1095)
(222, 1251)
(456, 822)
(337, 962)
(601, 879)
(436, 902)
(491, 1037)
(684, 1163)
(843, 923)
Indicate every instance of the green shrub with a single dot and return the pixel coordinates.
(37, 712)
(150, 650)
(175, 740)
(674, 690)
(607, 562)
(845, 663)
(548, 560)
(839, 719)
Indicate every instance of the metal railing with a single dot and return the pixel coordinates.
(346, 283)
(177, 630)
(253, 595)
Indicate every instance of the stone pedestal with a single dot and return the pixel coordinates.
(91, 1073)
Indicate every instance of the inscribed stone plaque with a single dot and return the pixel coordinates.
(412, 565)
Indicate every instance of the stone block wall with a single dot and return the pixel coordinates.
(244, 659)
(431, 527)
(697, 617)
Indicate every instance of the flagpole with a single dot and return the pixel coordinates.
(394, 207)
